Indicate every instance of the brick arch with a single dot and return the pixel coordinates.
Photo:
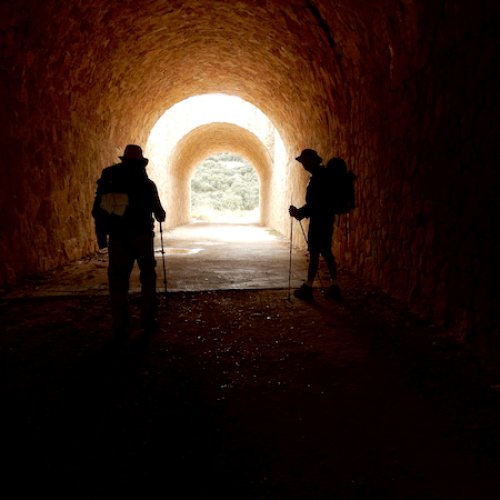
(202, 142)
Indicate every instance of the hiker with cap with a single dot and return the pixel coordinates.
(124, 205)
(318, 209)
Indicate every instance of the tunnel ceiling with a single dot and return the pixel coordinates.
(287, 58)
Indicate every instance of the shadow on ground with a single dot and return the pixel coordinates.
(242, 394)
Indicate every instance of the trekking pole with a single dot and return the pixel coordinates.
(290, 263)
(163, 261)
(303, 232)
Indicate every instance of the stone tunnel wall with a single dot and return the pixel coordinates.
(404, 90)
(425, 229)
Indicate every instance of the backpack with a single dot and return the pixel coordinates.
(340, 184)
(111, 202)
(122, 203)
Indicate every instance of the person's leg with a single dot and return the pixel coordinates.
(334, 290)
(147, 263)
(305, 292)
(312, 269)
(121, 262)
(331, 263)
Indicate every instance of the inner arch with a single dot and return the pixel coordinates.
(204, 141)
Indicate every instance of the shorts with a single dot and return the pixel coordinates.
(320, 234)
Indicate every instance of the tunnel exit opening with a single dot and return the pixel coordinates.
(225, 188)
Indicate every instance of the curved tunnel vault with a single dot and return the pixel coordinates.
(381, 84)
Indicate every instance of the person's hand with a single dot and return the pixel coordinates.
(161, 217)
(295, 212)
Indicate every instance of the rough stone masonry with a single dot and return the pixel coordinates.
(405, 91)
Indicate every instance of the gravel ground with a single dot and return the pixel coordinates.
(243, 394)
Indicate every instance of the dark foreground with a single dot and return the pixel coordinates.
(242, 395)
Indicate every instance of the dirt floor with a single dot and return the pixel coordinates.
(242, 394)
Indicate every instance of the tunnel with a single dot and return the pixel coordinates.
(405, 91)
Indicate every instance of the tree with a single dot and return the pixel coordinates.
(224, 182)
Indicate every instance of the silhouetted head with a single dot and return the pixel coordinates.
(133, 153)
(309, 159)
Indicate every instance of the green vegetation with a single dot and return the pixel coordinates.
(224, 182)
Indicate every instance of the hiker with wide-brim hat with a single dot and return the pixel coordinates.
(125, 203)
(321, 218)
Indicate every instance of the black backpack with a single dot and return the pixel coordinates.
(340, 184)
(123, 202)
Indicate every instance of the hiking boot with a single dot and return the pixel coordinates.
(333, 292)
(304, 292)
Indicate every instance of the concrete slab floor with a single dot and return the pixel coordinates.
(198, 256)
(208, 256)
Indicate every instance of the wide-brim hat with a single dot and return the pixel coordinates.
(133, 152)
(309, 154)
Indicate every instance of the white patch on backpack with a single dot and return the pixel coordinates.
(114, 203)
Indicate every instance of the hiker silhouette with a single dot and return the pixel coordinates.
(124, 205)
(319, 210)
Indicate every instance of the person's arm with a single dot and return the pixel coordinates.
(158, 210)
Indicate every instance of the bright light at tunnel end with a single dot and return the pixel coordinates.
(182, 119)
